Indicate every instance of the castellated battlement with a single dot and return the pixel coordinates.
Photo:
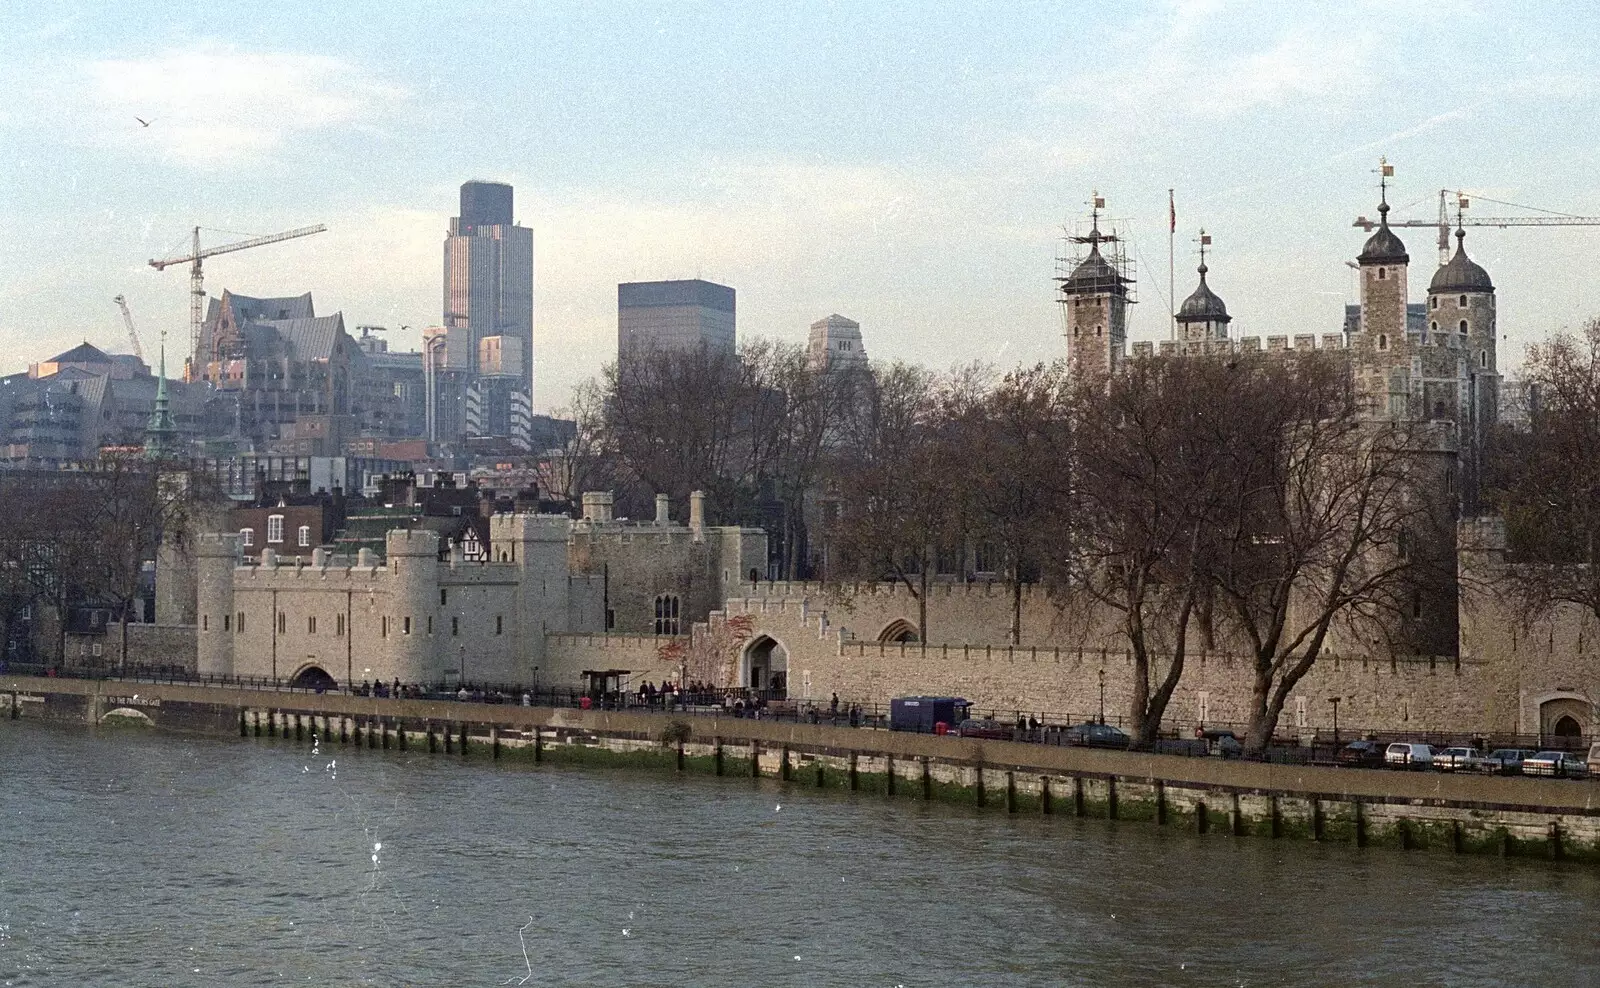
(1240, 345)
(527, 527)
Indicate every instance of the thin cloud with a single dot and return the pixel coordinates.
(213, 106)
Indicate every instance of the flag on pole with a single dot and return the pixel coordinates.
(1388, 170)
(1172, 213)
(1099, 202)
(1205, 240)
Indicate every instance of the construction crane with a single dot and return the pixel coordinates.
(1462, 200)
(127, 320)
(197, 291)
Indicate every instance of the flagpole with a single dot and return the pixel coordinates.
(1172, 297)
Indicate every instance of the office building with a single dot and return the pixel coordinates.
(674, 315)
(488, 288)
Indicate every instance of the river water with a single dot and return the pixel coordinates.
(134, 858)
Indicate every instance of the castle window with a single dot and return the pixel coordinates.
(1433, 303)
(1461, 303)
(405, 625)
(338, 625)
(1434, 326)
(1416, 603)
(611, 619)
(455, 625)
(1074, 332)
(1383, 341)
(667, 622)
(384, 626)
(238, 623)
(1463, 327)
(205, 622)
(1383, 274)
(283, 622)
(1097, 331)
(304, 536)
(444, 596)
(247, 536)
(1483, 358)
(274, 529)
(227, 622)
(430, 624)
(499, 624)
(311, 625)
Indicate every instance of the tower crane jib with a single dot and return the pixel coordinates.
(127, 320)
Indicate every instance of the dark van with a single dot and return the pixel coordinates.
(920, 713)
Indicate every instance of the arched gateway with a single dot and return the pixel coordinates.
(764, 667)
(313, 677)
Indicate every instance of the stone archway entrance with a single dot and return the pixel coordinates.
(1563, 721)
(313, 677)
(898, 630)
(765, 668)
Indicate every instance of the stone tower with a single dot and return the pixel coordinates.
(1203, 316)
(413, 558)
(216, 557)
(1461, 308)
(1379, 345)
(835, 345)
(1095, 298)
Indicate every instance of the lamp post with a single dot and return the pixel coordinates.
(1102, 695)
(1335, 701)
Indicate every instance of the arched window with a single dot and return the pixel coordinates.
(1434, 326)
(667, 621)
(247, 536)
(274, 529)
(1383, 273)
(1463, 327)
(1383, 341)
(1097, 331)
(1461, 303)
(1074, 332)
(1433, 302)
(304, 535)
(1483, 359)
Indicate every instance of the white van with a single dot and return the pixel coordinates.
(1406, 754)
(1594, 760)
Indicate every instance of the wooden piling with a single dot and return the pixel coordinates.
(927, 779)
(1236, 817)
(888, 775)
(1317, 822)
(1011, 792)
(755, 760)
(1077, 795)
(783, 766)
(433, 744)
(716, 757)
(494, 741)
(1277, 820)
(1458, 842)
(978, 785)
(1361, 823)
(1161, 802)
(1044, 796)
(855, 777)
(1202, 817)
(1553, 842)
(244, 728)
(463, 739)
(1111, 798)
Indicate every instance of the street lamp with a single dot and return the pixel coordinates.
(1102, 695)
(1335, 701)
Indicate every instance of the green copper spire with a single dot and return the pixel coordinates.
(161, 435)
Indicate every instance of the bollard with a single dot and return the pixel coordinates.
(1236, 818)
(1077, 796)
(433, 743)
(244, 728)
(979, 783)
(1361, 824)
(855, 780)
(1011, 792)
(888, 776)
(716, 756)
(927, 779)
(463, 739)
(1202, 817)
(1277, 820)
(1111, 798)
(1045, 808)
(494, 741)
(1316, 819)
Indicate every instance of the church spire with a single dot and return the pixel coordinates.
(161, 435)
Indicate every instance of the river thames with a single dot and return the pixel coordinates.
(134, 858)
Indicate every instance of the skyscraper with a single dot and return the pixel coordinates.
(488, 288)
(674, 315)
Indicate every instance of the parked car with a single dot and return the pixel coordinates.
(1361, 754)
(1593, 761)
(992, 729)
(1561, 764)
(1462, 757)
(1096, 736)
(1505, 761)
(1408, 754)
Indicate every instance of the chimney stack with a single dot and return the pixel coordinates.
(662, 501)
(697, 514)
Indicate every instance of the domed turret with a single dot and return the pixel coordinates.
(1383, 247)
(1461, 274)
(1203, 305)
(1094, 276)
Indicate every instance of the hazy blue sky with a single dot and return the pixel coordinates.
(906, 164)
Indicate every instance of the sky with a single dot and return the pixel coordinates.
(909, 165)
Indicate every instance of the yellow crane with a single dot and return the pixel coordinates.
(1462, 200)
(197, 291)
(127, 320)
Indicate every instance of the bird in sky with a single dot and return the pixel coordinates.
(143, 121)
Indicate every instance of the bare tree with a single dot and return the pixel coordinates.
(1325, 504)
(1545, 480)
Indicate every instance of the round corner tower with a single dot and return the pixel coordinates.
(413, 558)
(215, 559)
(1461, 308)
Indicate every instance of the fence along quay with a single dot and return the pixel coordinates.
(1553, 818)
